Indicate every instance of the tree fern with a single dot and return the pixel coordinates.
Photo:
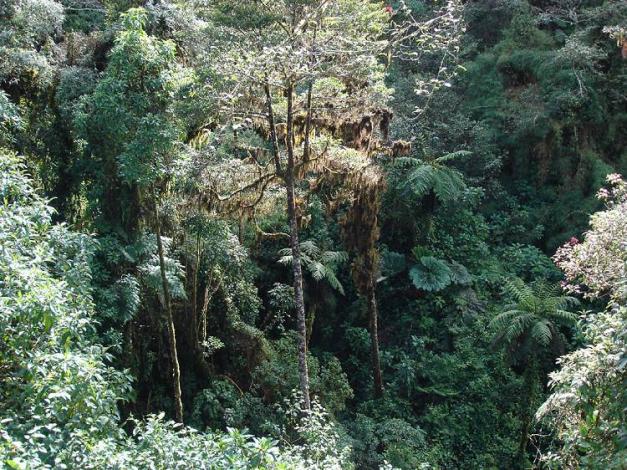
(433, 175)
(321, 265)
(531, 323)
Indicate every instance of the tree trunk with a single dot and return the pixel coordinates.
(176, 371)
(374, 342)
(307, 142)
(195, 283)
(273, 136)
(361, 232)
(202, 328)
(295, 246)
(310, 321)
(530, 385)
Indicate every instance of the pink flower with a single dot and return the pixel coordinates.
(603, 194)
(613, 178)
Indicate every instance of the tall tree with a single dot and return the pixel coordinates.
(309, 73)
(361, 232)
(131, 127)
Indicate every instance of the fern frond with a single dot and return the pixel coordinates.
(334, 257)
(310, 248)
(453, 156)
(421, 180)
(503, 320)
(564, 315)
(532, 321)
(562, 302)
(517, 289)
(541, 333)
(333, 281)
(318, 263)
(448, 184)
(286, 259)
(406, 162)
(317, 270)
(519, 326)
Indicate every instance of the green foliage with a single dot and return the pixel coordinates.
(281, 304)
(313, 435)
(587, 406)
(214, 404)
(277, 376)
(9, 119)
(157, 443)
(528, 263)
(151, 273)
(320, 264)
(465, 394)
(128, 118)
(430, 274)
(27, 43)
(391, 440)
(59, 394)
(122, 110)
(531, 323)
(446, 183)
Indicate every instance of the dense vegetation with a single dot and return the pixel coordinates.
(324, 234)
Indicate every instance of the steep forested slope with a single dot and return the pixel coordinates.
(353, 227)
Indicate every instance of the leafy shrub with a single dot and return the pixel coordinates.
(430, 274)
(277, 376)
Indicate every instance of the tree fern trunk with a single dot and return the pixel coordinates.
(530, 387)
(373, 313)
